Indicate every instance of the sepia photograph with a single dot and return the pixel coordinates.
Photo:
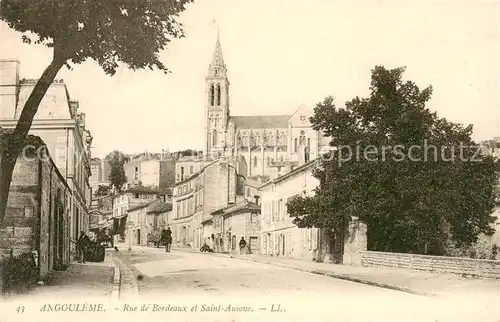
(230, 160)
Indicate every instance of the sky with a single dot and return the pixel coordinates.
(282, 54)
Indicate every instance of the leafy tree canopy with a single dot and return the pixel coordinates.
(131, 32)
(417, 180)
(117, 175)
(102, 190)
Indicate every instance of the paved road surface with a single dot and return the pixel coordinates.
(180, 277)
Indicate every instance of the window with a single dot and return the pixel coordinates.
(218, 94)
(248, 192)
(191, 169)
(309, 142)
(214, 138)
(136, 196)
(255, 161)
(136, 169)
(273, 203)
(212, 93)
(136, 176)
(253, 218)
(295, 145)
(302, 139)
(268, 161)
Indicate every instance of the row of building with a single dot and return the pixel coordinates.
(50, 193)
(239, 186)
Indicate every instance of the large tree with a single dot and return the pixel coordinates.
(117, 175)
(109, 32)
(102, 190)
(417, 180)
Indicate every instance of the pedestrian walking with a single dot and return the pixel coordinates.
(82, 245)
(243, 244)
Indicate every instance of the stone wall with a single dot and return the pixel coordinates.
(37, 219)
(437, 264)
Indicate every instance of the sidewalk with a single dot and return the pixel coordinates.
(78, 281)
(420, 283)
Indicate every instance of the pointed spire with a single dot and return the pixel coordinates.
(217, 67)
(218, 59)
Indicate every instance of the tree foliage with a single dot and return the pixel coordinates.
(117, 175)
(417, 180)
(109, 32)
(102, 190)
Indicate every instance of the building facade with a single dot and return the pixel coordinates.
(135, 196)
(261, 140)
(99, 170)
(279, 235)
(194, 199)
(61, 126)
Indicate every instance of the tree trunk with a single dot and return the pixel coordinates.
(15, 141)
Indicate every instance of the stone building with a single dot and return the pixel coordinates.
(38, 217)
(61, 126)
(230, 224)
(260, 140)
(122, 202)
(281, 237)
(194, 199)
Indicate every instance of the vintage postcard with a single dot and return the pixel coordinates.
(227, 160)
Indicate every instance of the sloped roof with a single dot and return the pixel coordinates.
(160, 207)
(142, 205)
(243, 206)
(140, 189)
(261, 121)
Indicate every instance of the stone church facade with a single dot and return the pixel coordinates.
(264, 142)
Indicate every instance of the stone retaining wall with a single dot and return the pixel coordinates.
(438, 264)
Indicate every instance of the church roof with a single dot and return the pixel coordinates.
(261, 121)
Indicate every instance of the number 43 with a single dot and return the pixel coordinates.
(20, 309)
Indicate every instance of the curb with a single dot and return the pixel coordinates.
(323, 273)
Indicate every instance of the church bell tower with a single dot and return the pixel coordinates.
(217, 103)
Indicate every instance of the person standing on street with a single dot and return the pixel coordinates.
(82, 246)
(243, 244)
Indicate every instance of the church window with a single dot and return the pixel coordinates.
(216, 71)
(302, 140)
(212, 93)
(214, 138)
(255, 161)
(218, 94)
(295, 145)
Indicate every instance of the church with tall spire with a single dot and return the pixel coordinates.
(266, 143)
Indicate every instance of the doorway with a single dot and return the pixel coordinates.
(138, 236)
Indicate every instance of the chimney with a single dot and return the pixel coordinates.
(73, 107)
(256, 199)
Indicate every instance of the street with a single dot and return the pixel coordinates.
(212, 280)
